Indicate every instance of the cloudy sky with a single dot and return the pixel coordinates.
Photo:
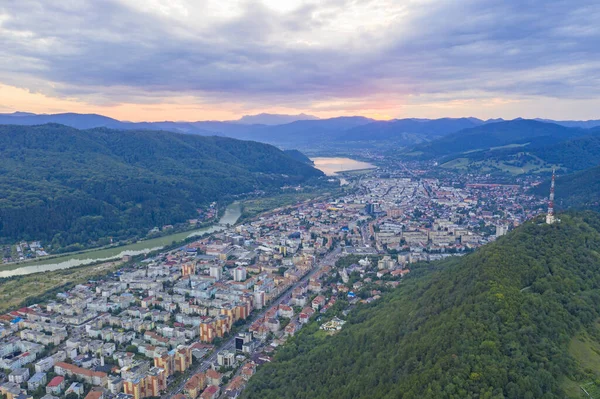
(220, 59)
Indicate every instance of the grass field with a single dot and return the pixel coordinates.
(586, 351)
(458, 163)
(252, 208)
(507, 166)
(15, 290)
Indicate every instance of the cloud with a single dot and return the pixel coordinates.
(301, 54)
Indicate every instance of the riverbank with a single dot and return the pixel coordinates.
(16, 291)
(230, 217)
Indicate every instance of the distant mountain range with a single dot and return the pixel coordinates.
(273, 119)
(517, 146)
(293, 131)
(525, 132)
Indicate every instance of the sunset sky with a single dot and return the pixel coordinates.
(220, 59)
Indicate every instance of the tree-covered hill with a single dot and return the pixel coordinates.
(493, 324)
(527, 132)
(576, 190)
(298, 156)
(65, 186)
(578, 154)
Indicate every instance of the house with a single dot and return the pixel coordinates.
(318, 302)
(95, 395)
(76, 388)
(286, 311)
(211, 392)
(19, 376)
(213, 377)
(91, 377)
(305, 315)
(248, 370)
(56, 385)
(194, 385)
(36, 381)
(10, 389)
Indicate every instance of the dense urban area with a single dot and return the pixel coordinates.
(198, 321)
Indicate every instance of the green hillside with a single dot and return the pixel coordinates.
(65, 186)
(298, 156)
(521, 131)
(576, 190)
(578, 154)
(502, 322)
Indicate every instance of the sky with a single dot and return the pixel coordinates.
(151, 60)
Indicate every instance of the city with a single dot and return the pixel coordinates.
(198, 321)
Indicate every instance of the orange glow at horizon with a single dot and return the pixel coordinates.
(17, 99)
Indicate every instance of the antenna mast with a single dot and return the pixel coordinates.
(550, 216)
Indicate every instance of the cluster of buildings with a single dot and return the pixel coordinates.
(23, 250)
(183, 322)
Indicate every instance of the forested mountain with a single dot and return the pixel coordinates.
(298, 156)
(293, 131)
(529, 133)
(577, 154)
(497, 323)
(65, 186)
(576, 190)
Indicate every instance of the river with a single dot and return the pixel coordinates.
(231, 215)
(331, 166)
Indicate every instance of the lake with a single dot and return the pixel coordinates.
(331, 166)
(231, 215)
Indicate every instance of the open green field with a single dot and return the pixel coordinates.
(585, 349)
(458, 163)
(15, 290)
(507, 166)
(252, 208)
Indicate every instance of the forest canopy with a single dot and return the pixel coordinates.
(63, 186)
(493, 324)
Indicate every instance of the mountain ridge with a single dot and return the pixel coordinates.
(68, 186)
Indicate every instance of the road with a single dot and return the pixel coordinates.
(229, 344)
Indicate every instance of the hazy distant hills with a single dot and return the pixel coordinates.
(273, 119)
(394, 130)
(306, 131)
(69, 186)
(522, 131)
(518, 146)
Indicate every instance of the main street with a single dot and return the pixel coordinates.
(329, 259)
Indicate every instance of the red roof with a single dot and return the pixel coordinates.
(56, 381)
(211, 389)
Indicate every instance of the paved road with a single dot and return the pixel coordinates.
(229, 344)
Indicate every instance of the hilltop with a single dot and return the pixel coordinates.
(503, 322)
(67, 186)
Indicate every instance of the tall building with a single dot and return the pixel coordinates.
(150, 383)
(239, 273)
(550, 219)
(216, 271)
(501, 230)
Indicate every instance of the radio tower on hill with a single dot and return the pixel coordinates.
(550, 216)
